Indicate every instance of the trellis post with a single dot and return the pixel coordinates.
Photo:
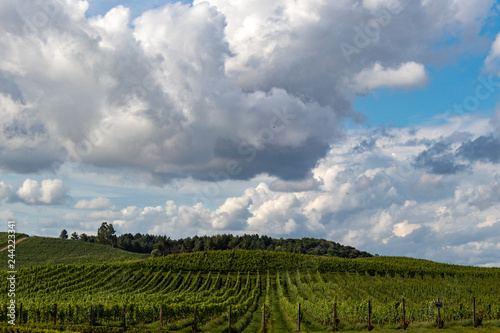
(404, 315)
(370, 327)
(439, 311)
(474, 311)
(195, 325)
(161, 313)
(264, 318)
(124, 317)
(335, 317)
(298, 317)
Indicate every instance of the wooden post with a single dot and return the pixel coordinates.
(264, 318)
(55, 314)
(20, 313)
(370, 327)
(298, 317)
(161, 310)
(474, 311)
(404, 315)
(195, 325)
(229, 329)
(92, 315)
(439, 312)
(335, 317)
(124, 317)
(369, 313)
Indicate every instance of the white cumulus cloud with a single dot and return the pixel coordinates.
(404, 228)
(94, 203)
(407, 75)
(49, 191)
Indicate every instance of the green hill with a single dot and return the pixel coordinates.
(4, 237)
(206, 284)
(163, 245)
(36, 250)
(263, 261)
(79, 278)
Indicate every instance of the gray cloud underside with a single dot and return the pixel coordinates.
(439, 159)
(442, 159)
(482, 149)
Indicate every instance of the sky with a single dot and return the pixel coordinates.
(372, 123)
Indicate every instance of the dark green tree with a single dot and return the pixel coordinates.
(74, 236)
(64, 234)
(106, 234)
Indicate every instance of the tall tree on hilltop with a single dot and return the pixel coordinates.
(64, 234)
(106, 234)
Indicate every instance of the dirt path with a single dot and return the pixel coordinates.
(19, 240)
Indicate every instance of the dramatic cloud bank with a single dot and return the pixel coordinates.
(387, 191)
(241, 108)
(185, 90)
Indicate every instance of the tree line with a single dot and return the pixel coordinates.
(163, 245)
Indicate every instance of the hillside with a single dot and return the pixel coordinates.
(209, 283)
(163, 245)
(263, 261)
(3, 236)
(37, 250)
(44, 250)
(319, 247)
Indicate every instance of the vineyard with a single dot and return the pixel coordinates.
(44, 250)
(155, 293)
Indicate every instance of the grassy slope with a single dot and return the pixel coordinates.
(43, 250)
(242, 260)
(3, 237)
